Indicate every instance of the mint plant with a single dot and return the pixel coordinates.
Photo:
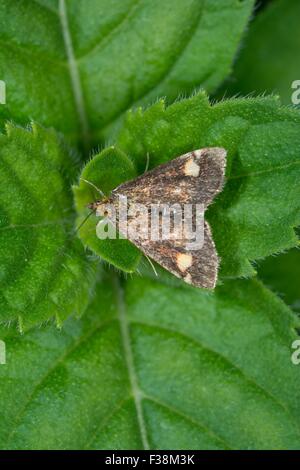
(100, 352)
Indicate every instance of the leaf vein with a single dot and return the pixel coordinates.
(50, 371)
(201, 426)
(106, 419)
(74, 74)
(130, 362)
(41, 56)
(231, 364)
(112, 32)
(267, 170)
(164, 76)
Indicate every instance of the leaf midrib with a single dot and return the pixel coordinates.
(73, 63)
(124, 329)
(74, 75)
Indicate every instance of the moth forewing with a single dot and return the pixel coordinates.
(195, 177)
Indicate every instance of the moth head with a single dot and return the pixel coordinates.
(102, 207)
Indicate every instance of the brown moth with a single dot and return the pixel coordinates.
(193, 178)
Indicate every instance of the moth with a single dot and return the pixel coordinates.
(194, 178)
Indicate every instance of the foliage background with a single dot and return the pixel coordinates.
(101, 354)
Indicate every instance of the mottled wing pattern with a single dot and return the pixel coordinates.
(197, 267)
(193, 178)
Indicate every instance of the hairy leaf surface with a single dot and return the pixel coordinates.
(44, 271)
(151, 365)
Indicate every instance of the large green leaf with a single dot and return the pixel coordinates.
(270, 60)
(44, 271)
(78, 65)
(153, 366)
(254, 216)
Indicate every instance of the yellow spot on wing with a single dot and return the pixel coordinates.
(191, 168)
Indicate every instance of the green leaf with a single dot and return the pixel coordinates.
(200, 371)
(270, 59)
(254, 216)
(44, 271)
(282, 275)
(78, 66)
(105, 171)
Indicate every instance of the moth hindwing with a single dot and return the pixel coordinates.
(189, 181)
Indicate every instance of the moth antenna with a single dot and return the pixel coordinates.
(152, 266)
(84, 221)
(147, 162)
(93, 186)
